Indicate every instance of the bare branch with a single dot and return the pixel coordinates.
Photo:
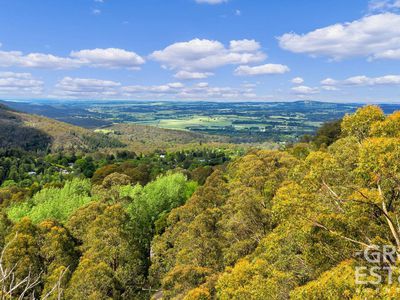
(388, 219)
(57, 285)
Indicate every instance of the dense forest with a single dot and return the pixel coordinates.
(207, 223)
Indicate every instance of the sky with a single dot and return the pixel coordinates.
(223, 50)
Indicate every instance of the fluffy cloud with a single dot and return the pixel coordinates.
(365, 80)
(361, 80)
(86, 88)
(329, 84)
(329, 88)
(375, 36)
(388, 54)
(109, 58)
(202, 55)
(261, 70)
(36, 60)
(200, 91)
(202, 84)
(297, 80)
(186, 75)
(170, 88)
(244, 46)
(383, 5)
(20, 83)
(211, 1)
(304, 90)
(104, 58)
(329, 81)
(203, 91)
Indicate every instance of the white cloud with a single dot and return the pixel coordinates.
(297, 80)
(96, 84)
(329, 84)
(36, 60)
(86, 88)
(238, 13)
(244, 46)
(383, 5)
(20, 83)
(169, 88)
(329, 81)
(388, 54)
(211, 1)
(176, 85)
(375, 36)
(261, 70)
(305, 90)
(99, 58)
(89, 88)
(202, 84)
(96, 11)
(329, 88)
(109, 58)
(199, 91)
(360, 80)
(185, 75)
(15, 75)
(365, 80)
(201, 55)
(203, 92)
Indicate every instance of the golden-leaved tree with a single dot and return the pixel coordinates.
(288, 224)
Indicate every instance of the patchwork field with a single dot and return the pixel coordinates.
(242, 122)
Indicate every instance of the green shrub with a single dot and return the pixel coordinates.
(53, 203)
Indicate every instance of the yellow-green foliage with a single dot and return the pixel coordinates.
(253, 280)
(337, 283)
(279, 225)
(270, 225)
(359, 124)
(54, 203)
(389, 127)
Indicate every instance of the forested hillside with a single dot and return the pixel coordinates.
(35, 133)
(145, 139)
(279, 225)
(207, 224)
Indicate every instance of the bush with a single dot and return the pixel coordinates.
(53, 203)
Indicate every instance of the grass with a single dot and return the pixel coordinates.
(195, 121)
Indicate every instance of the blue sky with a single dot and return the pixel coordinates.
(232, 50)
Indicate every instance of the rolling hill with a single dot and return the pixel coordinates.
(142, 139)
(36, 133)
